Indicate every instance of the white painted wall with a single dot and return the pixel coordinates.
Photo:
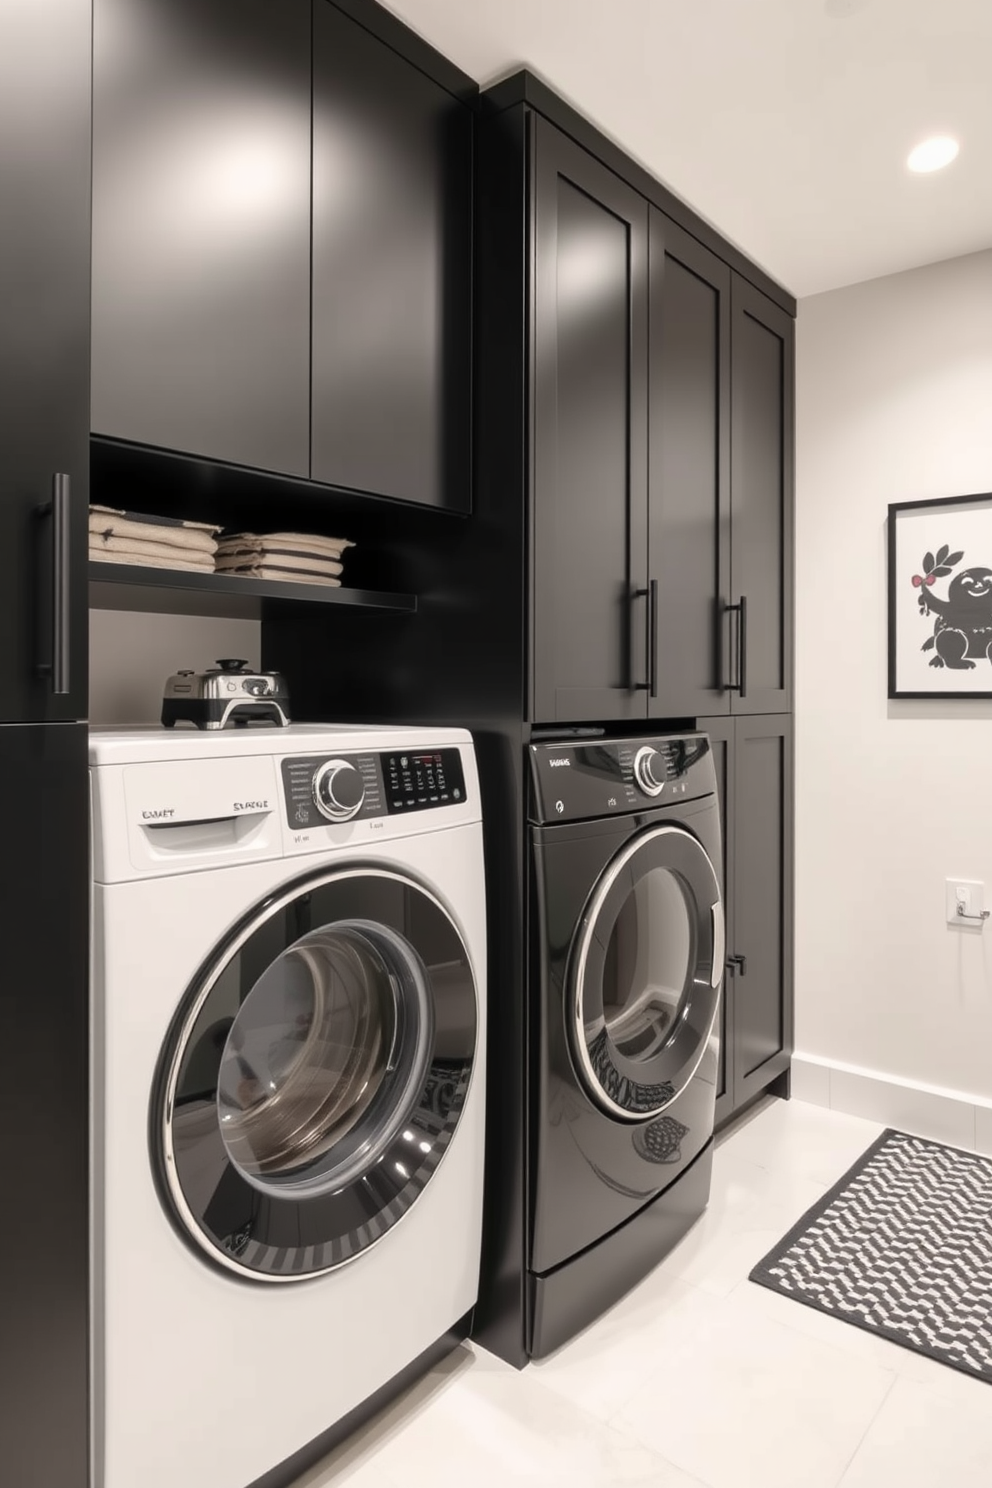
(894, 395)
(131, 655)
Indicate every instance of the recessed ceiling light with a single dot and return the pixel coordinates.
(933, 154)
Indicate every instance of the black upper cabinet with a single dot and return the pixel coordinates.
(282, 243)
(201, 227)
(392, 282)
(661, 440)
(590, 602)
(761, 464)
(689, 489)
(44, 359)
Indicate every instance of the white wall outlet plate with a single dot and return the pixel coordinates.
(965, 902)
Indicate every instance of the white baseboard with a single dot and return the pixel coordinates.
(944, 1115)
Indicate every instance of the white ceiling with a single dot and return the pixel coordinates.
(785, 123)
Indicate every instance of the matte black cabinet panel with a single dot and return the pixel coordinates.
(590, 599)
(755, 755)
(44, 360)
(392, 277)
(201, 228)
(762, 901)
(721, 732)
(761, 462)
(44, 1132)
(689, 486)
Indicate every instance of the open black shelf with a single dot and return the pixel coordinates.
(120, 586)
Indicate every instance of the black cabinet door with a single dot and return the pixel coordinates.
(44, 361)
(44, 1096)
(761, 462)
(392, 272)
(762, 900)
(689, 481)
(201, 228)
(589, 421)
(721, 732)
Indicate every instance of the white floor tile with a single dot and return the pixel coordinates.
(750, 1209)
(752, 1404)
(832, 1331)
(923, 1438)
(487, 1427)
(698, 1378)
(606, 1364)
(805, 1140)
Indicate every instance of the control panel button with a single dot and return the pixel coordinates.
(338, 790)
(649, 771)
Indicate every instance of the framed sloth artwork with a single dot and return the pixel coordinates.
(940, 598)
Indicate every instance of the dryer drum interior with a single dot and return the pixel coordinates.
(644, 974)
(315, 1073)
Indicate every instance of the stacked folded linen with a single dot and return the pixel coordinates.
(151, 542)
(296, 556)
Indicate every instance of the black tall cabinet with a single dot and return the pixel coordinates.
(44, 431)
(589, 434)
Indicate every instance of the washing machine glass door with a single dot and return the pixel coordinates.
(644, 974)
(315, 1074)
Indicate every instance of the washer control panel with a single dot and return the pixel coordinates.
(607, 777)
(321, 790)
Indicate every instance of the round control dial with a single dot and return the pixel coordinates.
(338, 790)
(649, 771)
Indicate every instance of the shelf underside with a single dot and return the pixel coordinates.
(119, 586)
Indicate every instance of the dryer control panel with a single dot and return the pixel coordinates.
(326, 789)
(572, 780)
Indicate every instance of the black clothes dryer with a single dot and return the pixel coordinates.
(627, 937)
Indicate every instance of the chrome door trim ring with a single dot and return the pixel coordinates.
(180, 1042)
(575, 978)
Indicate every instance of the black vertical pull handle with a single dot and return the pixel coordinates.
(59, 510)
(653, 638)
(741, 610)
(650, 595)
(742, 649)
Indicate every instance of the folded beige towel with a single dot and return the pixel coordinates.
(292, 562)
(139, 561)
(162, 553)
(260, 570)
(283, 542)
(104, 522)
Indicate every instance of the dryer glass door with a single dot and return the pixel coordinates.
(315, 1074)
(645, 972)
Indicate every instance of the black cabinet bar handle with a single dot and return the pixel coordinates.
(58, 509)
(741, 684)
(653, 638)
(742, 652)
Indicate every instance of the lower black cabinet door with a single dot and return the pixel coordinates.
(721, 732)
(762, 896)
(753, 759)
(44, 1108)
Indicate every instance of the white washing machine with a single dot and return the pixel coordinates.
(289, 1028)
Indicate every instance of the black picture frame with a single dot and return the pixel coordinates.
(963, 616)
